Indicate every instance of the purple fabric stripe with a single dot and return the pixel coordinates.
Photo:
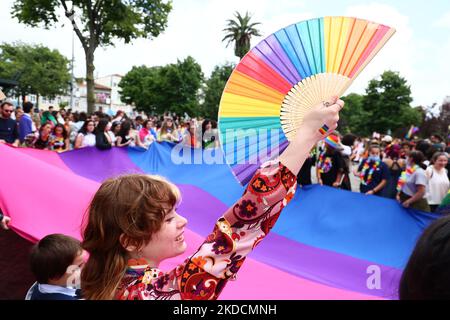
(244, 172)
(271, 52)
(335, 269)
(305, 261)
(301, 260)
(102, 164)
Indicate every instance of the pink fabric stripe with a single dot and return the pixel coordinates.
(48, 198)
(54, 200)
(381, 32)
(257, 280)
(49, 157)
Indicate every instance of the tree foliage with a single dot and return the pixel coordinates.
(173, 87)
(240, 31)
(213, 90)
(98, 23)
(388, 104)
(436, 124)
(353, 117)
(37, 69)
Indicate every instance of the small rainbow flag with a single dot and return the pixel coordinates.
(332, 140)
(411, 132)
(324, 129)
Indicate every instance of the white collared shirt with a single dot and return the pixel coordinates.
(49, 288)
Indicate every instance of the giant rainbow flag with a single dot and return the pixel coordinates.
(327, 244)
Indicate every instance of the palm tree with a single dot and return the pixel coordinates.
(240, 31)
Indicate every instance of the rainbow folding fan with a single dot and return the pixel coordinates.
(279, 80)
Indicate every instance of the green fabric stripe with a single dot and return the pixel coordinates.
(249, 122)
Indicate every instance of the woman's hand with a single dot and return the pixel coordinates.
(370, 192)
(4, 223)
(407, 203)
(336, 184)
(308, 133)
(398, 198)
(318, 116)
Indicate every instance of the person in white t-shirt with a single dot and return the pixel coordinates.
(438, 182)
(86, 136)
(358, 150)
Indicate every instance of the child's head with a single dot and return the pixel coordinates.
(132, 216)
(51, 258)
(427, 274)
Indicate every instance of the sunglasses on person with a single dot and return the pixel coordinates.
(9, 111)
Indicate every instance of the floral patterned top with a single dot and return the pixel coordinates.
(243, 226)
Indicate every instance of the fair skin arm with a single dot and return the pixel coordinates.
(173, 136)
(417, 196)
(217, 261)
(120, 144)
(319, 180)
(5, 222)
(14, 144)
(78, 141)
(337, 183)
(107, 137)
(138, 140)
(378, 187)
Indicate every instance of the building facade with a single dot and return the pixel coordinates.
(106, 91)
(112, 81)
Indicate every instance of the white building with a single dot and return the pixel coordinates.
(102, 96)
(106, 93)
(112, 81)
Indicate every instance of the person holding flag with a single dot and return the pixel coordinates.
(412, 130)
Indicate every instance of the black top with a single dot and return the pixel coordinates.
(9, 130)
(102, 142)
(125, 139)
(336, 166)
(41, 144)
(380, 174)
(304, 176)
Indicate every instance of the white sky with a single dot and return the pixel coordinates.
(419, 50)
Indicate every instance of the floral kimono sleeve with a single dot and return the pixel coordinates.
(242, 227)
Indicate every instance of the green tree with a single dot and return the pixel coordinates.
(180, 86)
(37, 69)
(174, 87)
(388, 104)
(100, 22)
(213, 90)
(436, 123)
(138, 87)
(353, 118)
(240, 31)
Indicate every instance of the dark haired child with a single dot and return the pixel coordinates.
(56, 262)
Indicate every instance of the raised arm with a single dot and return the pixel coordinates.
(245, 224)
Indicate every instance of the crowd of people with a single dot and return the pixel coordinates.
(416, 172)
(63, 130)
(143, 228)
(413, 171)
